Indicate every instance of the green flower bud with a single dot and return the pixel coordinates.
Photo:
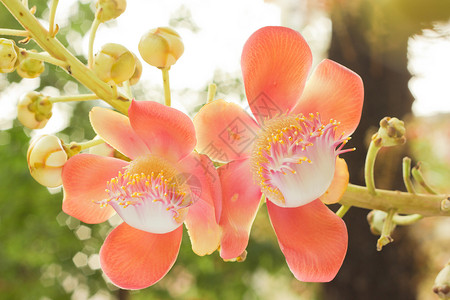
(34, 110)
(391, 133)
(29, 67)
(115, 63)
(109, 9)
(376, 219)
(46, 157)
(137, 71)
(161, 47)
(442, 283)
(8, 55)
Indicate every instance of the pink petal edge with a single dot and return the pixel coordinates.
(134, 259)
(312, 238)
(84, 180)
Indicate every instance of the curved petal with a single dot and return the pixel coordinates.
(203, 216)
(225, 132)
(312, 238)
(166, 131)
(203, 179)
(84, 180)
(135, 259)
(115, 129)
(339, 183)
(240, 203)
(336, 93)
(275, 64)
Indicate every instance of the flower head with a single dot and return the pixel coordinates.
(289, 153)
(164, 185)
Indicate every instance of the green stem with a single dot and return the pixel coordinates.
(45, 57)
(165, 75)
(404, 203)
(75, 67)
(51, 22)
(406, 167)
(369, 167)
(211, 93)
(407, 220)
(90, 144)
(94, 28)
(343, 210)
(71, 98)
(419, 178)
(388, 226)
(13, 32)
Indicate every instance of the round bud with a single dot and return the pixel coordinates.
(137, 71)
(46, 157)
(29, 67)
(161, 47)
(391, 133)
(34, 110)
(109, 9)
(442, 283)
(115, 63)
(8, 55)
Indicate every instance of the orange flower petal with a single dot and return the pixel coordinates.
(115, 129)
(240, 203)
(336, 93)
(339, 183)
(312, 238)
(275, 64)
(135, 259)
(225, 132)
(84, 180)
(166, 131)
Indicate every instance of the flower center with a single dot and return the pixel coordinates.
(294, 157)
(151, 195)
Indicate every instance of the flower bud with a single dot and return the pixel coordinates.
(46, 157)
(161, 47)
(391, 133)
(115, 63)
(376, 219)
(8, 55)
(29, 67)
(109, 9)
(137, 71)
(442, 283)
(34, 110)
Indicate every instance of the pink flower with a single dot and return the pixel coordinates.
(289, 154)
(164, 185)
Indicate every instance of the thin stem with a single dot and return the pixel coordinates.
(369, 167)
(127, 88)
(165, 75)
(406, 167)
(45, 57)
(25, 3)
(343, 210)
(75, 67)
(90, 144)
(211, 93)
(407, 220)
(13, 32)
(404, 203)
(51, 29)
(419, 178)
(388, 226)
(94, 28)
(71, 98)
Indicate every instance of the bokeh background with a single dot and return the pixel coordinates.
(401, 50)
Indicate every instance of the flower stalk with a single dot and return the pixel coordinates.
(53, 30)
(13, 32)
(70, 98)
(166, 83)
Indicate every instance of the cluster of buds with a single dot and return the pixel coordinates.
(8, 55)
(109, 9)
(46, 157)
(161, 47)
(391, 133)
(116, 63)
(34, 110)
